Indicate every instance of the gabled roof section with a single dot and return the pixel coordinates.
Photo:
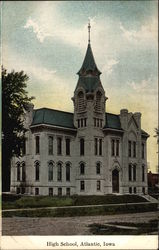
(112, 121)
(89, 83)
(52, 117)
(89, 63)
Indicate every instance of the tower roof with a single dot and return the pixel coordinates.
(89, 64)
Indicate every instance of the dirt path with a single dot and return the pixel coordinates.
(66, 225)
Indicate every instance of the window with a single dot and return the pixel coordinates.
(95, 146)
(37, 169)
(59, 172)
(143, 173)
(82, 185)
(134, 149)
(68, 191)
(18, 171)
(50, 145)
(94, 122)
(98, 185)
(101, 123)
(50, 191)
(143, 190)
(59, 145)
(23, 172)
(78, 121)
(130, 175)
(81, 123)
(134, 173)
(113, 147)
(59, 191)
(134, 190)
(37, 144)
(23, 190)
(18, 190)
(67, 146)
(82, 146)
(50, 171)
(80, 101)
(117, 147)
(129, 148)
(130, 190)
(100, 146)
(24, 146)
(36, 191)
(143, 150)
(85, 122)
(82, 168)
(98, 168)
(98, 101)
(67, 172)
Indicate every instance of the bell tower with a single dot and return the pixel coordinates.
(89, 96)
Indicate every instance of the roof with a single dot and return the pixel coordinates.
(89, 83)
(112, 121)
(65, 119)
(144, 133)
(89, 63)
(53, 117)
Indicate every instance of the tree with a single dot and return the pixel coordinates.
(14, 101)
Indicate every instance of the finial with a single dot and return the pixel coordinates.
(89, 27)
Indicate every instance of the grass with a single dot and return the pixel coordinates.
(46, 201)
(142, 228)
(82, 211)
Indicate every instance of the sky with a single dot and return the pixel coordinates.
(48, 41)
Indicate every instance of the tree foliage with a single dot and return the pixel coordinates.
(14, 102)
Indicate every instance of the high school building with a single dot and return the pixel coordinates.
(87, 152)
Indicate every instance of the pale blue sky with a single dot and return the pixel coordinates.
(48, 40)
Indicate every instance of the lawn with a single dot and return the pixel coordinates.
(46, 201)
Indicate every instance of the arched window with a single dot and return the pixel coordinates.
(81, 146)
(82, 168)
(50, 171)
(129, 172)
(98, 168)
(98, 101)
(143, 173)
(37, 170)
(80, 101)
(68, 172)
(59, 171)
(18, 171)
(23, 171)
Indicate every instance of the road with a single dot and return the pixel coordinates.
(66, 225)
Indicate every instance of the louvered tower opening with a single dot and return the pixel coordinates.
(98, 101)
(80, 102)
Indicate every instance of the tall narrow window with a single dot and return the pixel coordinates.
(37, 169)
(23, 172)
(18, 171)
(82, 168)
(24, 146)
(113, 147)
(134, 173)
(117, 147)
(37, 144)
(130, 190)
(98, 101)
(81, 146)
(82, 185)
(67, 172)
(134, 149)
(68, 191)
(95, 146)
(100, 146)
(143, 173)
(85, 122)
(78, 121)
(98, 168)
(143, 150)
(129, 148)
(80, 101)
(36, 191)
(50, 191)
(60, 191)
(59, 145)
(67, 146)
(50, 171)
(50, 145)
(98, 186)
(59, 172)
(81, 123)
(130, 175)
(94, 122)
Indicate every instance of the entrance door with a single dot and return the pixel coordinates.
(115, 181)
